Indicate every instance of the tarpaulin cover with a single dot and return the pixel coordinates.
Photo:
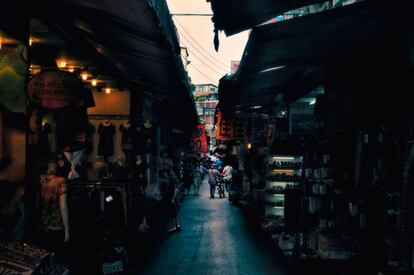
(291, 55)
(234, 16)
(137, 39)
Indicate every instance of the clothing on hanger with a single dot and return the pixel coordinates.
(106, 131)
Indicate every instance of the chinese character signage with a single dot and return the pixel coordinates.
(199, 141)
(231, 129)
(55, 89)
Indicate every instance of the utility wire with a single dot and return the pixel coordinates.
(195, 68)
(216, 59)
(208, 66)
(211, 68)
(201, 53)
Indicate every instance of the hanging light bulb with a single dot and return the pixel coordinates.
(84, 76)
(94, 82)
(108, 90)
(62, 64)
(30, 41)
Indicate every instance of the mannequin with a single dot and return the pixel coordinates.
(149, 131)
(139, 173)
(139, 139)
(147, 124)
(71, 127)
(127, 140)
(140, 184)
(106, 122)
(106, 131)
(54, 219)
(119, 168)
(102, 167)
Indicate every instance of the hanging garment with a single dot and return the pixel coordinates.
(71, 128)
(89, 138)
(150, 142)
(106, 140)
(74, 158)
(50, 215)
(139, 174)
(139, 139)
(127, 137)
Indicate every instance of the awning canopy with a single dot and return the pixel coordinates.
(291, 57)
(233, 16)
(135, 40)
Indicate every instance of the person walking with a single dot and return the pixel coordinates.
(213, 175)
(197, 180)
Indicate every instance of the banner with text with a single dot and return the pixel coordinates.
(199, 141)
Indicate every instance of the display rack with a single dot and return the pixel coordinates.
(283, 173)
(23, 258)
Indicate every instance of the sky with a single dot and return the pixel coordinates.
(196, 33)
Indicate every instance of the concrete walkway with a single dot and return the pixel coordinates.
(215, 240)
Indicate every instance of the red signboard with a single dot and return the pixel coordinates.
(231, 129)
(55, 89)
(199, 142)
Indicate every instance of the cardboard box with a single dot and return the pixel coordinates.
(335, 254)
(334, 247)
(331, 241)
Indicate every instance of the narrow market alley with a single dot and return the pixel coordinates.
(216, 239)
(207, 137)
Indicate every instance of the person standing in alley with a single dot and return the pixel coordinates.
(188, 178)
(219, 164)
(213, 175)
(227, 176)
(197, 180)
(169, 192)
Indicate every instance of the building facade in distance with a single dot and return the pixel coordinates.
(206, 99)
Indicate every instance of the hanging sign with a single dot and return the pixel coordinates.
(231, 129)
(55, 89)
(199, 141)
